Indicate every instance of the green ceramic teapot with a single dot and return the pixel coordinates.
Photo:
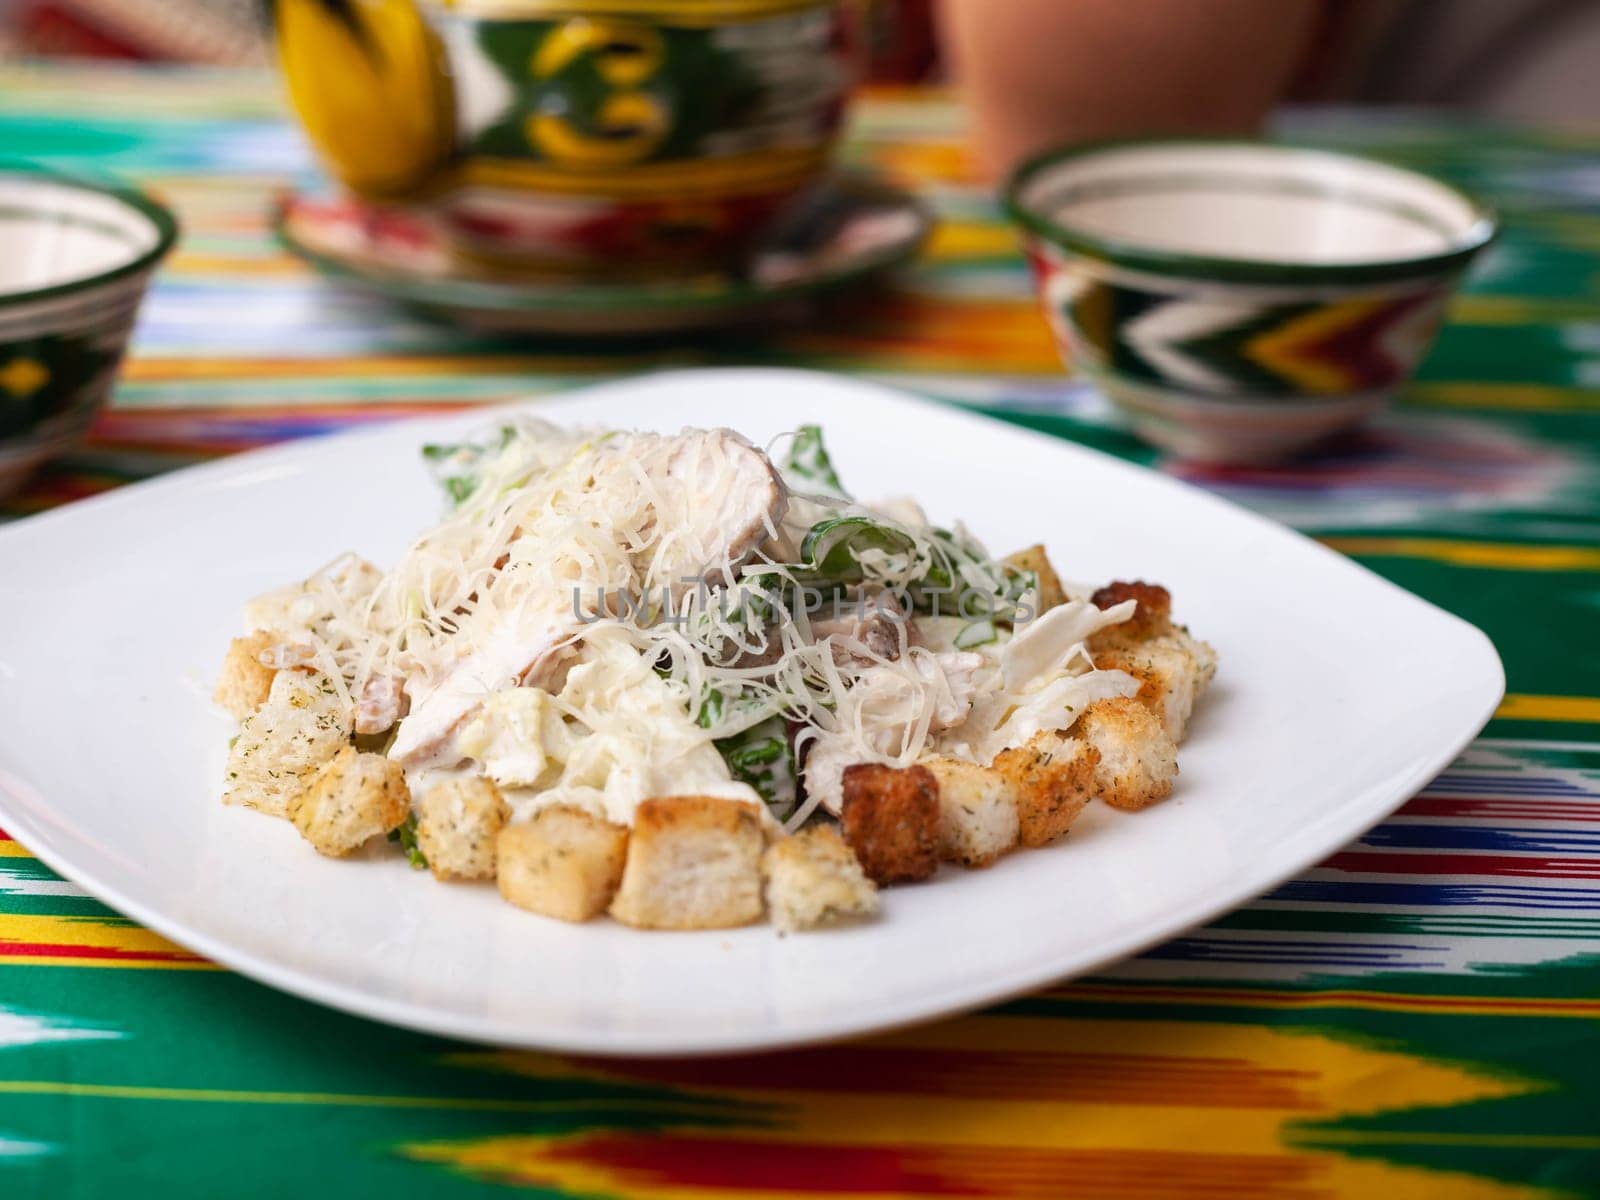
(615, 135)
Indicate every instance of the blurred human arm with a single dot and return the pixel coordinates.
(1042, 72)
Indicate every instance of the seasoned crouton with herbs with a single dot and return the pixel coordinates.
(1203, 654)
(890, 817)
(1052, 777)
(812, 879)
(977, 811)
(245, 681)
(1151, 618)
(564, 863)
(303, 724)
(457, 824)
(1138, 761)
(1172, 669)
(1035, 560)
(350, 799)
(694, 862)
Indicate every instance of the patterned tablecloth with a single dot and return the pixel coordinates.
(1415, 1016)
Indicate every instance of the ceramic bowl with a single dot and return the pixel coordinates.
(1242, 301)
(75, 257)
(619, 137)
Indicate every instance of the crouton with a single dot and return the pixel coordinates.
(812, 878)
(457, 824)
(245, 681)
(1203, 653)
(302, 725)
(977, 811)
(350, 799)
(1172, 669)
(564, 863)
(1052, 777)
(694, 862)
(890, 817)
(1034, 559)
(1151, 618)
(1138, 761)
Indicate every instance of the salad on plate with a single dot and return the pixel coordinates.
(694, 683)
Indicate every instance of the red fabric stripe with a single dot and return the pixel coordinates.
(1364, 862)
(1475, 806)
(59, 950)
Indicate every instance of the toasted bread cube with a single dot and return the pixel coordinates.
(457, 824)
(302, 725)
(1204, 655)
(977, 811)
(1152, 616)
(1171, 676)
(1034, 559)
(245, 681)
(1173, 667)
(1138, 761)
(351, 798)
(890, 818)
(564, 863)
(1052, 777)
(812, 879)
(694, 862)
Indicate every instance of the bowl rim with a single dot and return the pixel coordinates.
(1484, 229)
(163, 218)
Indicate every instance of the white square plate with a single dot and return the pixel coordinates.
(1339, 696)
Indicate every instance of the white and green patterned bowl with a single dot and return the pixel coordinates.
(1242, 301)
(75, 257)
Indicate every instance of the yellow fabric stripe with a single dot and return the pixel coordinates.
(954, 240)
(111, 933)
(1550, 708)
(1531, 397)
(1502, 555)
(1517, 310)
(115, 964)
(1442, 1005)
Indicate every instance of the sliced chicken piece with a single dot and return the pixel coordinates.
(718, 497)
(874, 625)
(528, 650)
(714, 498)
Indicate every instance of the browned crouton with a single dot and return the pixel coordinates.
(564, 863)
(1138, 761)
(977, 811)
(1034, 559)
(302, 725)
(245, 682)
(890, 817)
(1052, 777)
(352, 798)
(694, 862)
(812, 878)
(1152, 617)
(457, 824)
(1173, 670)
